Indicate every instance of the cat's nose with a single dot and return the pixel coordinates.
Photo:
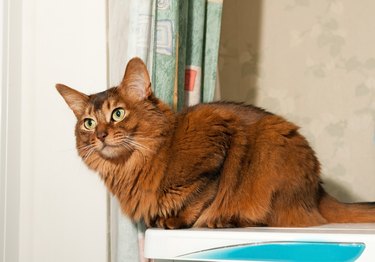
(101, 135)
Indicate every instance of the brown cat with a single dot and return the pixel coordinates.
(212, 165)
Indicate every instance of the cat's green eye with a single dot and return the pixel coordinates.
(89, 123)
(118, 114)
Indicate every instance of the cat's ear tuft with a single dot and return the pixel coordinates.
(136, 82)
(76, 100)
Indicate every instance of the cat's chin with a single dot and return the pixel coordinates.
(110, 152)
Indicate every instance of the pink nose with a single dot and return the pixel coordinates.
(102, 135)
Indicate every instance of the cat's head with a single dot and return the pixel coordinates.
(113, 124)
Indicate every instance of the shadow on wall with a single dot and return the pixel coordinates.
(339, 191)
(239, 52)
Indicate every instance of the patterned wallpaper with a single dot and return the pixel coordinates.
(312, 61)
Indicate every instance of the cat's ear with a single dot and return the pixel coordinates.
(136, 82)
(76, 100)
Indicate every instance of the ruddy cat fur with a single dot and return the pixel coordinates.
(211, 165)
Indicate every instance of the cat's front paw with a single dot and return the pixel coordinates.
(212, 221)
(170, 223)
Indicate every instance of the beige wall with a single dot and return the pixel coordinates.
(314, 63)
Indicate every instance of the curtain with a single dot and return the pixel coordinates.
(179, 41)
(185, 56)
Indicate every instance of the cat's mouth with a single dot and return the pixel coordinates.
(110, 151)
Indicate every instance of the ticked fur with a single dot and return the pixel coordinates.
(211, 165)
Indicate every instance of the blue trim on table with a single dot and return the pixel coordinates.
(284, 251)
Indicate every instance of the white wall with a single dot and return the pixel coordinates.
(62, 206)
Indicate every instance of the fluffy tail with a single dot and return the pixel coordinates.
(336, 212)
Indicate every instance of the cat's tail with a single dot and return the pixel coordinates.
(337, 212)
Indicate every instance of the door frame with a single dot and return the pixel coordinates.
(11, 70)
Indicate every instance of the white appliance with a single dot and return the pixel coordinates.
(328, 243)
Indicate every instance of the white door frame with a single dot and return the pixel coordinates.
(10, 128)
(25, 228)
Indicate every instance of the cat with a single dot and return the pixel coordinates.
(213, 165)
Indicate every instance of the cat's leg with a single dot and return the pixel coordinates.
(245, 193)
(247, 204)
(293, 163)
(295, 213)
(184, 219)
(187, 216)
(258, 166)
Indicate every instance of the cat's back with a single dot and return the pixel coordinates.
(225, 112)
(219, 122)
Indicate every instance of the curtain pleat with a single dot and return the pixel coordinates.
(212, 39)
(186, 51)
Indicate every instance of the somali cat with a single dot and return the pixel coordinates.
(212, 165)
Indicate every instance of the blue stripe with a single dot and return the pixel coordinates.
(284, 251)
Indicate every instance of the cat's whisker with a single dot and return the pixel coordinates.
(136, 144)
(126, 145)
(132, 139)
(129, 145)
(119, 135)
(86, 151)
(131, 148)
(146, 135)
(84, 147)
(89, 154)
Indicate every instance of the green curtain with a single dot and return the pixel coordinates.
(185, 55)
